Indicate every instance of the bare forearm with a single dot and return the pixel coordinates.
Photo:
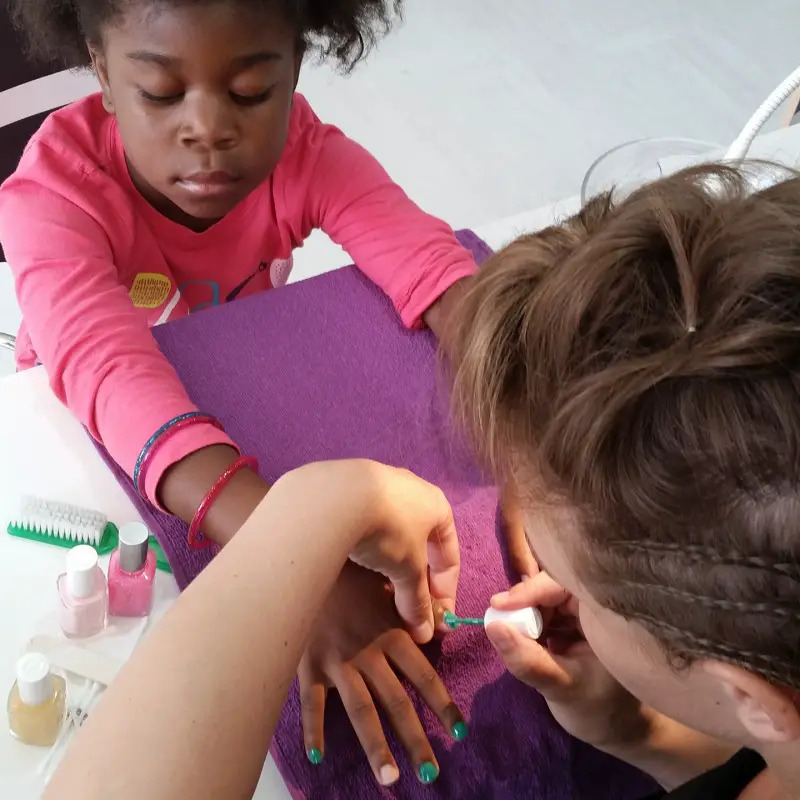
(670, 752)
(186, 483)
(186, 701)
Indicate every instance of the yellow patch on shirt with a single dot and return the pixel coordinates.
(150, 290)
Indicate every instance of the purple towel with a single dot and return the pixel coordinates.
(324, 369)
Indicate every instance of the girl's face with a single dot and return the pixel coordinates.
(626, 649)
(202, 94)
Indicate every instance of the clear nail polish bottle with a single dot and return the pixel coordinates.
(131, 573)
(82, 590)
(37, 702)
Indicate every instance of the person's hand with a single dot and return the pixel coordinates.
(357, 644)
(414, 544)
(583, 697)
(520, 557)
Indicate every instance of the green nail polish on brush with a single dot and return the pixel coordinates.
(314, 756)
(428, 772)
(460, 731)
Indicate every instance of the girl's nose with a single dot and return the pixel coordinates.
(209, 122)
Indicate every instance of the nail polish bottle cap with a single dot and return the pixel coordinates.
(82, 571)
(34, 681)
(133, 539)
(528, 621)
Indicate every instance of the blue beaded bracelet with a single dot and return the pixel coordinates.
(148, 445)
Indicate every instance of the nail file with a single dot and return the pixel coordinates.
(76, 660)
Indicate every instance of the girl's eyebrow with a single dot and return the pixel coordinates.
(249, 60)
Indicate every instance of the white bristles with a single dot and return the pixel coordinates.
(62, 520)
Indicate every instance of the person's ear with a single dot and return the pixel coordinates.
(767, 712)
(101, 71)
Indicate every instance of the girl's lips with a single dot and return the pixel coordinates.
(208, 184)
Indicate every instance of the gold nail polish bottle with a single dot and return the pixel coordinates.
(37, 702)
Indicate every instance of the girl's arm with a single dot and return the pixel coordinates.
(102, 360)
(200, 698)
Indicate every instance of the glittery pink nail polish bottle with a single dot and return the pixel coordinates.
(131, 573)
(82, 590)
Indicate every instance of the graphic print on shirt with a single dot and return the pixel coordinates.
(151, 291)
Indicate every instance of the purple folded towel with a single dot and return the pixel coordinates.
(324, 369)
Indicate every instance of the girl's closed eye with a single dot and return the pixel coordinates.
(250, 98)
(160, 98)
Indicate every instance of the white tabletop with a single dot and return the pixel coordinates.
(44, 452)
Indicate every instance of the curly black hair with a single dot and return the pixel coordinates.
(58, 30)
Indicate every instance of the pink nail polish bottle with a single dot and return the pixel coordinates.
(82, 590)
(131, 573)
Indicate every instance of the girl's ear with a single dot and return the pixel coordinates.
(101, 71)
(767, 712)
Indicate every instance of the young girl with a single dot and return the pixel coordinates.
(186, 183)
(639, 370)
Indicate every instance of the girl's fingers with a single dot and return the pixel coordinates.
(388, 690)
(528, 661)
(312, 713)
(540, 590)
(360, 707)
(444, 563)
(412, 663)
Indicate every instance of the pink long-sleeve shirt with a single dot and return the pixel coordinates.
(96, 266)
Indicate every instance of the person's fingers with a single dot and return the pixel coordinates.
(412, 663)
(413, 600)
(394, 700)
(444, 560)
(363, 715)
(540, 590)
(312, 714)
(528, 661)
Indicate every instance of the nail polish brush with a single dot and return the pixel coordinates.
(528, 621)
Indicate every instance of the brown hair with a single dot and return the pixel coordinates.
(641, 365)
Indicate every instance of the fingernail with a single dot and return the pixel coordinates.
(424, 632)
(460, 731)
(314, 756)
(525, 578)
(428, 772)
(500, 598)
(388, 775)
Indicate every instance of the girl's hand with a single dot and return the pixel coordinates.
(357, 644)
(583, 697)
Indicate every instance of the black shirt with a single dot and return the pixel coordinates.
(726, 782)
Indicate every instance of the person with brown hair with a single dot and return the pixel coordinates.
(637, 371)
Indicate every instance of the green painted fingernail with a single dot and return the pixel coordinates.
(460, 731)
(428, 772)
(315, 756)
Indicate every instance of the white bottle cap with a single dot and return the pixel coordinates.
(528, 621)
(34, 681)
(82, 571)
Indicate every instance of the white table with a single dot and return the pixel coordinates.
(43, 451)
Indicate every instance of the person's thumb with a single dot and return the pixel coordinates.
(412, 598)
(527, 660)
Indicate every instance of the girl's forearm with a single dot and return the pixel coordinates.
(197, 710)
(186, 483)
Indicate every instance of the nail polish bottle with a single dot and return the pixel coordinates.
(37, 702)
(82, 590)
(131, 573)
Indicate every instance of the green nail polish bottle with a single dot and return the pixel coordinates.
(460, 731)
(315, 756)
(428, 772)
